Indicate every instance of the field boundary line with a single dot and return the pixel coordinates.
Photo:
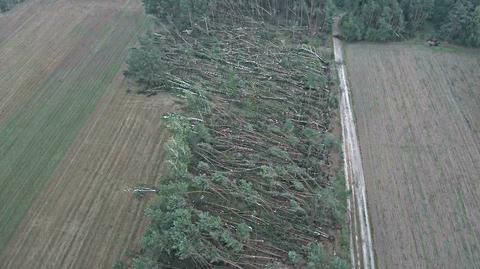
(361, 243)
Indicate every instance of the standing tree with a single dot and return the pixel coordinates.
(473, 38)
(385, 20)
(457, 22)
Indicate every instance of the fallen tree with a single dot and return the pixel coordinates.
(254, 181)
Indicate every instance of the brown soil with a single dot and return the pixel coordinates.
(417, 112)
(86, 216)
(58, 59)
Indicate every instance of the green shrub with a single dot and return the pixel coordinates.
(330, 141)
(316, 256)
(338, 263)
(145, 64)
(293, 257)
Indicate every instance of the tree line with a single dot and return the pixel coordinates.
(316, 14)
(6, 5)
(457, 21)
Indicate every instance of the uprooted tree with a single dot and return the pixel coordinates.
(254, 168)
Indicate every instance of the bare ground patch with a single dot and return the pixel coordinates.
(86, 216)
(417, 114)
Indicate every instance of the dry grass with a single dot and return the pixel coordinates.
(417, 113)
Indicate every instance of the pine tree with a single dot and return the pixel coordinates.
(384, 20)
(473, 38)
(458, 20)
(416, 12)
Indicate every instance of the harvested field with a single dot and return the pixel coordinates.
(72, 141)
(417, 112)
(86, 216)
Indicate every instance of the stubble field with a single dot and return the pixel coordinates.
(417, 112)
(72, 142)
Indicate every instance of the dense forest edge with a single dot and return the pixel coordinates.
(6, 5)
(455, 21)
(255, 172)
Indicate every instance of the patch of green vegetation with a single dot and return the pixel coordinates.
(444, 49)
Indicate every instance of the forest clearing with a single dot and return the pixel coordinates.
(417, 112)
(255, 177)
(76, 140)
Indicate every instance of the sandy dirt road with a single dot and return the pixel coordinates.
(418, 119)
(361, 245)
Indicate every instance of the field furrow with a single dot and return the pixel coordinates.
(72, 142)
(417, 112)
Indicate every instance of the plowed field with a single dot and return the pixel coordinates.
(72, 142)
(418, 119)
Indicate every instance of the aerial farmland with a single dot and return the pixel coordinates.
(73, 142)
(417, 113)
(239, 134)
